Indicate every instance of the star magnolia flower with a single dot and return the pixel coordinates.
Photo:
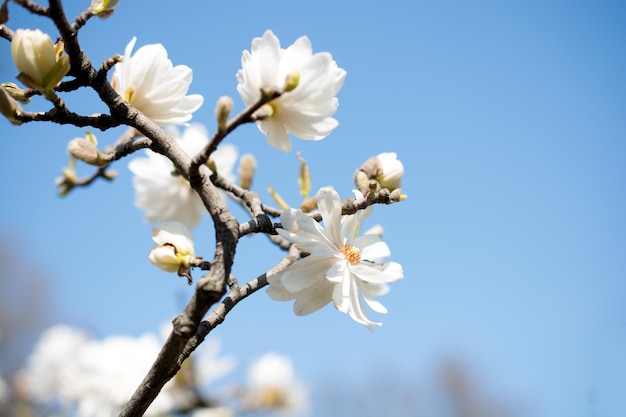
(150, 82)
(174, 250)
(341, 267)
(166, 195)
(271, 384)
(306, 111)
(41, 63)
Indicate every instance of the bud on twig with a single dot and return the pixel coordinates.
(84, 149)
(247, 166)
(16, 92)
(9, 107)
(291, 81)
(222, 111)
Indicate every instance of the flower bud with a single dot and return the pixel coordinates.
(391, 171)
(16, 92)
(247, 165)
(385, 169)
(222, 111)
(9, 107)
(291, 81)
(174, 249)
(86, 151)
(41, 64)
(103, 8)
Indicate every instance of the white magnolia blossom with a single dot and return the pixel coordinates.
(174, 249)
(342, 267)
(212, 412)
(41, 63)
(392, 171)
(272, 384)
(95, 377)
(148, 81)
(307, 110)
(51, 369)
(163, 193)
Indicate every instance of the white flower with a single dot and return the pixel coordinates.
(164, 194)
(111, 370)
(272, 384)
(174, 249)
(50, 370)
(208, 365)
(341, 267)
(391, 171)
(150, 82)
(95, 378)
(212, 412)
(41, 64)
(306, 111)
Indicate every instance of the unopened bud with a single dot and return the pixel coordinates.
(103, 8)
(41, 63)
(385, 169)
(291, 81)
(247, 166)
(86, 151)
(222, 112)
(309, 205)
(16, 92)
(9, 107)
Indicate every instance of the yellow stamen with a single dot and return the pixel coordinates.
(128, 95)
(352, 254)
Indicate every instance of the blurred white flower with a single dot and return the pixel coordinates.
(174, 249)
(271, 384)
(148, 81)
(212, 412)
(341, 267)
(95, 378)
(305, 111)
(41, 63)
(391, 171)
(51, 370)
(111, 370)
(208, 365)
(162, 192)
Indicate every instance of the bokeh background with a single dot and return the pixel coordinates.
(510, 118)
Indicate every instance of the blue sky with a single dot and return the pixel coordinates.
(510, 118)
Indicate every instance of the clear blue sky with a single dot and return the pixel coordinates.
(510, 118)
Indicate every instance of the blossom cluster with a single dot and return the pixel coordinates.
(289, 92)
(97, 377)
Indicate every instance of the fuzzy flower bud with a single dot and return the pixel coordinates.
(16, 92)
(103, 8)
(222, 111)
(41, 63)
(85, 149)
(247, 165)
(9, 107)
(291, 81)
(174, 249)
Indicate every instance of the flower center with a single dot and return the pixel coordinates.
(352, 254)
